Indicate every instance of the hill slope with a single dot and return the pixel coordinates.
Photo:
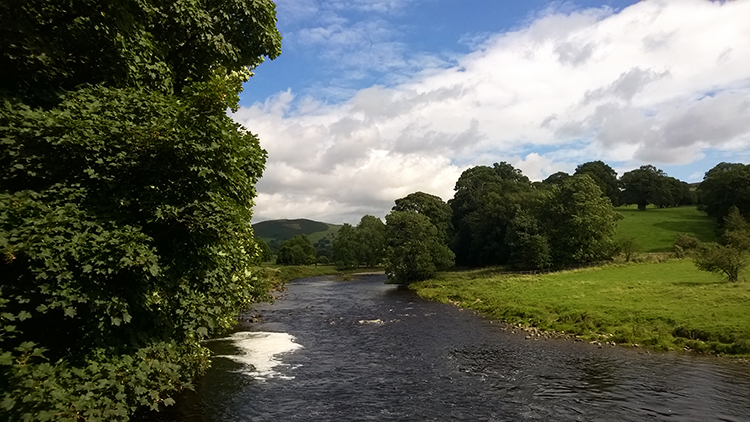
(655, 229)
(277, 231)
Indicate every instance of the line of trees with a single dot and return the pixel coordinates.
(498, 217)
(643, 186)
(125, 198)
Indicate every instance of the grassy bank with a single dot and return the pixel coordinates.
(655, 229)
(667, 306)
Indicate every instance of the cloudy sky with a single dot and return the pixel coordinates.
(371, 100)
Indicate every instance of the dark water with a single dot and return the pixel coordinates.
(425, 361)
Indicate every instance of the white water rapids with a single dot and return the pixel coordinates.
(260, 352)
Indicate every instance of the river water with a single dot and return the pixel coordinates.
(362, 350)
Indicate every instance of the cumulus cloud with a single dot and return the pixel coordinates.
(660, 82)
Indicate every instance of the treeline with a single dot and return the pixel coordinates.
(499, 217)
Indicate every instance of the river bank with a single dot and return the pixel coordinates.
(663, 306)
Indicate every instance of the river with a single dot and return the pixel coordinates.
(362, 350)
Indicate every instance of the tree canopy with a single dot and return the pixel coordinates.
(360, 245)
(415, 248)
(125, 198)
(725, 186)
(604, 176)
(296, 251)
(484, 203)
(432, 207)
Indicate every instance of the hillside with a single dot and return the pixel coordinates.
(277, 231)
(655, 229)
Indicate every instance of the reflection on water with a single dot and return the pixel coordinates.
(366, 351)
(260, 352)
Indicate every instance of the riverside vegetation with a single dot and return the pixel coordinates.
(126, 197)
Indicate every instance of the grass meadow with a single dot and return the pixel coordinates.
(667, 306)
(655, 229)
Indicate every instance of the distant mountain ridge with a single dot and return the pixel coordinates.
(277, 231)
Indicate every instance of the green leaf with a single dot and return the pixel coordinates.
(6, 358)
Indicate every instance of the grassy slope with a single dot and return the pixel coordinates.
(662, 305)
(654, 230)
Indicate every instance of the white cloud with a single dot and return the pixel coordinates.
(659, 82)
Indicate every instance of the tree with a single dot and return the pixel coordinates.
(431, 206)
(724, 186)
(151, 45)
(125, 198)
(265, 254)
(370, 235)
(345, 247)
(646, 185)
(296, 251)
(730, 257)
(555, 178)
(415, 249)
(485, 202)
(565, 224)
(604, 176)
(721, 259)
(581, 222)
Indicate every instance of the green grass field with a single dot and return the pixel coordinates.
(667, 306)
(655, 229)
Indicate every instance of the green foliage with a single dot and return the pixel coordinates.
(555, 178)
(125, 198)
(669, 305)
(345, 247)
(604, 176)
(646, 185)
(721, 259)
(485, 202)
(724, 186)
(685, 243)
(580, 222)
(415, 248)
(265, 254)
(431, 206)
(360, 245)
(627, 247)
(50, 47)
(371, 240)
(730, 258)
(296, 251)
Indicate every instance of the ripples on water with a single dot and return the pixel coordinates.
(362, 350)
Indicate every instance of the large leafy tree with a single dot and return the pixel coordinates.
(432, 207)
(581, 222)
(415, 248)
(363, 244)
(565, 224)
(125, 198)
(345, 247)
(371, 241)
(724, 186)
(604, 176)
(646, 185)
(296, 251)
(486, 199)
(730, 257)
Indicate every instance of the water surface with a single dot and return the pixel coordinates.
(366, 351)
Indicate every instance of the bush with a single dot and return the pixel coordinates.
(684, 244)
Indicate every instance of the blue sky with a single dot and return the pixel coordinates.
(371, 100)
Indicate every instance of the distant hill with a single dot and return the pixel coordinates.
(277, 231)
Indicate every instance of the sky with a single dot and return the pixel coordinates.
(371, 100)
